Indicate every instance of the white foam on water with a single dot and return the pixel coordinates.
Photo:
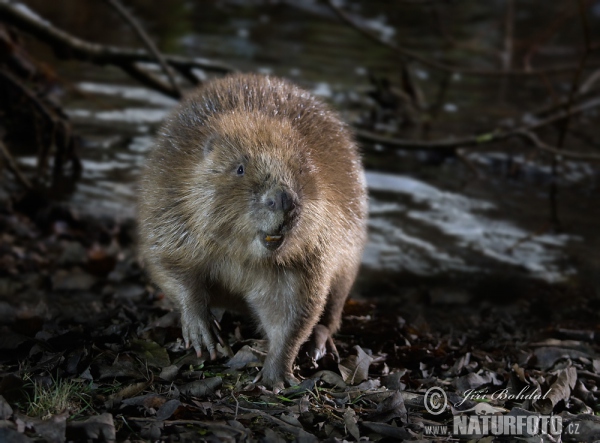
(461, 223)
(127, 115)
(128, 92)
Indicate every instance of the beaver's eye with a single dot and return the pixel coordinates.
(240, 170)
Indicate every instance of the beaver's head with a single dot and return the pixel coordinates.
(256, 180)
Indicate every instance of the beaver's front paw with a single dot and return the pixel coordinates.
(321, 344)
(275, 381)
(198, 331)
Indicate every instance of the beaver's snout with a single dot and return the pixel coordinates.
(280, 200)
(283, 204)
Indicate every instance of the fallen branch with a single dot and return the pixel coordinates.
(47, 114)
(411, 55)
(68, 46)
(493, 136)
(14, 167)
(148, 79)
(118, 6)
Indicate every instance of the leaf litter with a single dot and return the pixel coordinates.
(82, 329)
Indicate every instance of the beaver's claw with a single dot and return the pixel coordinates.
(198, 331)
(321, 343)
(277, 383)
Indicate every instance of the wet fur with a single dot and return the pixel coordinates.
(199, 221)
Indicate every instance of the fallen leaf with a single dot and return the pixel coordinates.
(148, 401)
(395, 432)
(126, 392)
(299, 390)
(202, 388)
(350, 422)
(167, 410)
(120, 368)
(546, 357)
(76, 280)
(355, 368)
(8, 435)
(331, 378)
(52, 429)
(390, 408)
(394, 381)
(5, 410)
(474, 380)
(98, 428)
(245, 356)
(154, 354)
(169, 373)
(559, 390)
(152, 431)
(272, 437)
(587, 427)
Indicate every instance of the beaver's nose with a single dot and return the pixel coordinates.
(280, 200)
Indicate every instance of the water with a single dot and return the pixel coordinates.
(429, 214)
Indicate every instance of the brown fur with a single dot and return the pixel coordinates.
(200, 221)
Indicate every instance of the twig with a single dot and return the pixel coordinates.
(553, 195)
(589, 82)
(538, 143)
(406, 53)
(437, 105)
(68, 46)
(562, 17)
(460, 153)
(509, 29)
(586, 138)
(23, 89)
(493, 136)
(14, 167)
(118, 6)
(439, 22)
(42, 109)
(150, 80)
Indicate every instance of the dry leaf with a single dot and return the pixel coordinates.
(355, 368)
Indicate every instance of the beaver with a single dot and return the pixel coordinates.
(254, 199)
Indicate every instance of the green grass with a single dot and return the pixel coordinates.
(62, 395)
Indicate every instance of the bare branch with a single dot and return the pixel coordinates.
(589, 82)
(42, 109)
(509, 30)
(14, 167)
(411, 55)
(562, 135)
(538, 143)
(68, 46)
(118, 6)
(492, 136)
(150, 80)
(561, 18)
